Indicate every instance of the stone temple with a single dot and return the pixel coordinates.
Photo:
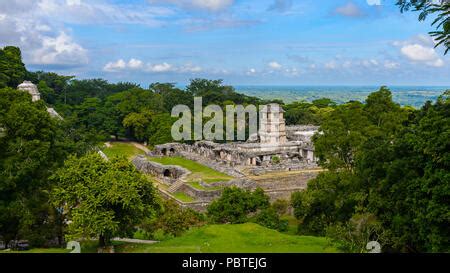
(279, 159)
(276, 146)
(32, 89)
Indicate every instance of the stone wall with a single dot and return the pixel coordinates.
(200, 195)
(167, 173)
(198, 205)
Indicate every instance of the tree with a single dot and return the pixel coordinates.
(412, 191)
(102, 198)
(32, 145)
(341, 135)
(137, 123)
(12, 70)
(214, 92)
(47, 93)
(159, 129)
(57, 83)
(442, 20)
(235, 205)
(172, 220)
(171, 95)
(393, 177)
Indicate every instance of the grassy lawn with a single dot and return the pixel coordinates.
(183, 197)
(121, 149)
(242, 238)
(292, 224)
(199, 171)
(197, 186)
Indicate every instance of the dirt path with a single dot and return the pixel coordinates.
(135, 241)
(140, 147)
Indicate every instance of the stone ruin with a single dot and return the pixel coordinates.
(32, 89)
(168, 173)
(276, 146)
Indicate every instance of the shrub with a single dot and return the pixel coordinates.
(276, 159)
(235, 205)
(270, 219)
(172, 220)
(354, 235)
(281, 206)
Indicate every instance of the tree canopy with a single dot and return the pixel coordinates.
(388, 171)
(102, 198)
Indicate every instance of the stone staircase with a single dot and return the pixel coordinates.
(175, 186)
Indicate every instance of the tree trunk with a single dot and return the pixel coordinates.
(104, 240)
(101, 241)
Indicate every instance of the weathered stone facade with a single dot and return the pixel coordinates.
(276, 148)
(168, 173)
(32, 89)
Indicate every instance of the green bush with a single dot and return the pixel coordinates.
(354, 235)
(276, 159)
(172, 220)
(269, 218)
(281, 206)
(235, 205)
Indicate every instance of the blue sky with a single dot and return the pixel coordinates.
(276, 42)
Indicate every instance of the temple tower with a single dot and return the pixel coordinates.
(272, 130)
(31, 89)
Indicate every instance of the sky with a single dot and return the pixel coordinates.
(243, 42)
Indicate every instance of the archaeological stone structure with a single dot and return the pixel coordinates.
(279, 159)
(32, 89)
(277, 146)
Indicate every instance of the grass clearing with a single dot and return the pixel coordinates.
(199, 171)
(241, 238)
(292, 224)
(183, 197)
(196, 185)
(122, 149)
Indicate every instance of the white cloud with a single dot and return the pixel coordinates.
(369, 65)
(391, 65)
(190, 68)
(158, 68)
(135, 64)
(292, 71)
(138, 65)
(211, 5)
(100, 12)
(251, 72)
(275, 65)
(331, 65)
(349, 10)
(41, 42)
(422, 54)
(115, 66)
(73, 2)
(60, 50)
(374, 2)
